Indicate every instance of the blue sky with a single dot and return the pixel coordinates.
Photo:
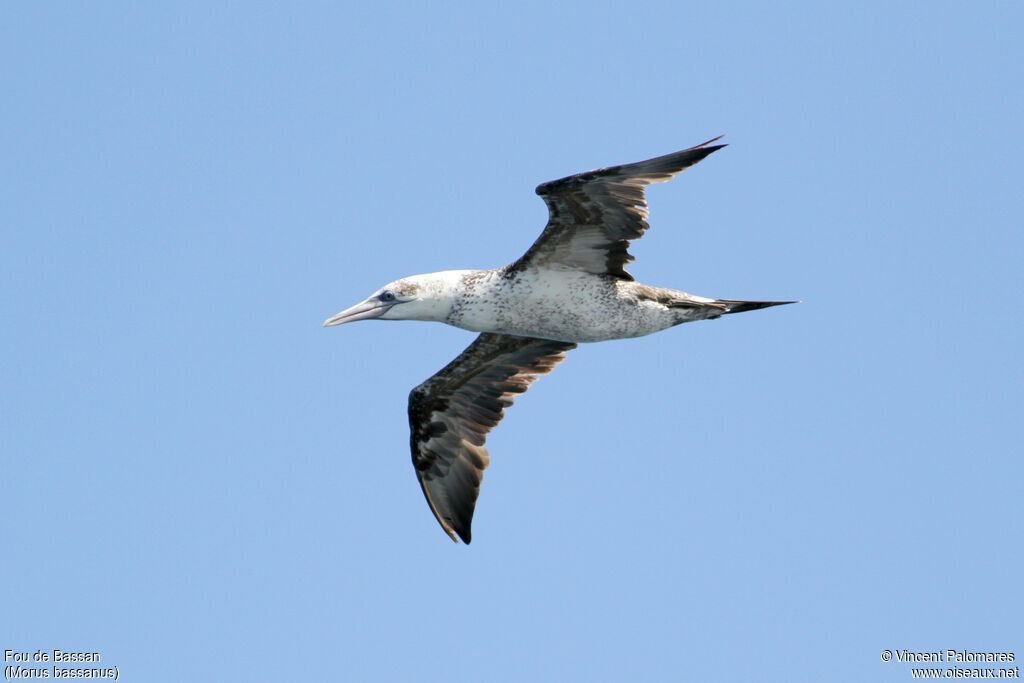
(199, 481)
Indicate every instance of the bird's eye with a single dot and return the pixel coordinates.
(387, 296)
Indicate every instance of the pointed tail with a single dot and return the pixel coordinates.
(741, 306)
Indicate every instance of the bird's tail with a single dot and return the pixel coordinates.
(732, 306)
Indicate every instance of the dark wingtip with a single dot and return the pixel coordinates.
(741, 306)
(669, 163)
(715, 139)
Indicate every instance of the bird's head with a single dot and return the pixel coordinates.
(418, 297)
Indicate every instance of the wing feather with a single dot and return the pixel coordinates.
(594, 215)
(451, 413)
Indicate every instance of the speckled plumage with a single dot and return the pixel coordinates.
(570, 287)
(570, 306)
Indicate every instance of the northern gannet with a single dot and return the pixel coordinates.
(569, 287)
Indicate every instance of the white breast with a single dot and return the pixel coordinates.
(567, 305)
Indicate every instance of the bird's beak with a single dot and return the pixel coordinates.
(371, 308)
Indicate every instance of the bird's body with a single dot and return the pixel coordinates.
(560, 304)
(570, 287)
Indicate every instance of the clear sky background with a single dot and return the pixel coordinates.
(201, 483)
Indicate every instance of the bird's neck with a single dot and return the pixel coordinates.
(445, 291)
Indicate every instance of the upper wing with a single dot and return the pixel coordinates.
(594, 215)
(451, 413)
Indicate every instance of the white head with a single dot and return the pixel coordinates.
(418, 297)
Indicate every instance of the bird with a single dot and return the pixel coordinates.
(570, 287)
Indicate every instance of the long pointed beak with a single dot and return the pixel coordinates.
(371, 308)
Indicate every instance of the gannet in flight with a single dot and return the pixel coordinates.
(569, 287)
